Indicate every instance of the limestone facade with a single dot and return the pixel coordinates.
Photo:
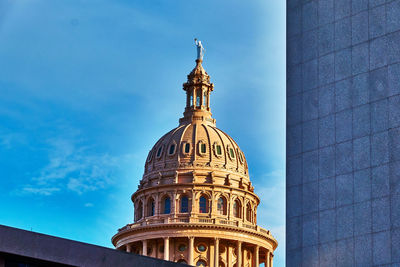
(195, 203)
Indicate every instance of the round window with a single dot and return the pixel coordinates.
(182, 247)
(202, 247)
(201, 263)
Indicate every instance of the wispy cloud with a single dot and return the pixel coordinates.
(75, 168)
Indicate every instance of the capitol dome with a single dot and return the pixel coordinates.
(195, 203)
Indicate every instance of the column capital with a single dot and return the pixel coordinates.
(166, 238)
(190, 237)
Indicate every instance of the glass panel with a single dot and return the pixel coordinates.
(235, 209)
(203, 148)
(187, 148)
(167, 205)
(182, 247)
(248, 213)
(220, 206)
(139, 211)
(151, 208)
(159, 152)
(171, 149)
(201, 248)
(203, 205)
(184, 204)
(232, 153)
(149, 156)
(219, 150)
(198, 98)
(191, 98)
(205, 99)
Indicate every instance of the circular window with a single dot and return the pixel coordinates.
(182, 247)
(161, 249)
(202, 247)
(201, 263)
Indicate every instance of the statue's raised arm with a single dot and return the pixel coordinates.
(200, 49)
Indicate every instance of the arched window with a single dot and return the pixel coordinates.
(139, 211)
(150, 156)
(221, 206)
(184, 204)
(236, 209)
(187, 148)
(203, 204)
(167, 205)
(171, 150)
(159, 151)
(198, 98)
(150, 207)
(248, 212)
(205, 100)
(191, 98)
(182, 261)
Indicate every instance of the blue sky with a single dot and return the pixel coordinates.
(87, 87)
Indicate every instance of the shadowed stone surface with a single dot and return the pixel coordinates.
(55, 250)
(343, 135)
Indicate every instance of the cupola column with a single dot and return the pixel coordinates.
(256, 255)
(144, 244)
(191, 250)
(166, 248)
(267, 259)
(128, 248)
(239, 254)
(216, 252)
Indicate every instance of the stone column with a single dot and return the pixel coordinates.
(267, 259)
(271, 260)
(256, 255)
(239, 254)
(128, 248)
(191, 250)
(216, 252)
(144, 247)
(166, 248)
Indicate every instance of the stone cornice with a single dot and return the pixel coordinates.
(180, 226)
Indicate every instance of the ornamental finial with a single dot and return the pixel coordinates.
(200, 49)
